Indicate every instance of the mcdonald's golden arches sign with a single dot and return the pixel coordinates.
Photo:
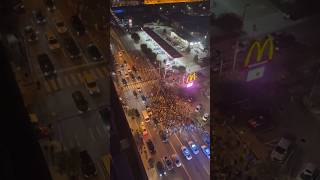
(191, 77)
(267, 45)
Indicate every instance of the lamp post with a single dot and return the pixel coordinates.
(245, 7)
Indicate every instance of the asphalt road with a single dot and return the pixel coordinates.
(53, 102)
(198, 167)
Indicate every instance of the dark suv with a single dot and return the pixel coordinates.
(72, 48)
(39, 17)
(160, 168)
(78, 25)
(46, 66)
(87, 166)
(151, 146)
(81, 103)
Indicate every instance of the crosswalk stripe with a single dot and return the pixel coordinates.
(93, 73)
(104, 69)
(74, 79)
(100, 74)
(46, 85)
(53, 84)
(67, 81)
(60, 82)
(79, 77)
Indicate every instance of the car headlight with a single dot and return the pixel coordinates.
(165, 173)
(160, 175)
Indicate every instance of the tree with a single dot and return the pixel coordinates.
(135, 37)
(143, 47)
(164, 31)
(188, 49)
(181, 69)
(229, 22)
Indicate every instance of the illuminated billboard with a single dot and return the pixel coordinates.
(168, 1)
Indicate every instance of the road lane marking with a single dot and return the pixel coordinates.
(77, 140)
(60, 82)
(92, 72)
(74, 79)
(98, 131)
(178, 139)
(104, 69)
(175, 151)
(100, 74)
(91, 134)
(46, 85)
(67, 81)
(53, 84)
(79, 75)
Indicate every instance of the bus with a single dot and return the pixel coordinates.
(145, 116)
(106, 162)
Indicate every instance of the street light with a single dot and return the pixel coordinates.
(245, 10)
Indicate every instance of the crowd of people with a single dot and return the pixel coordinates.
(171, 111)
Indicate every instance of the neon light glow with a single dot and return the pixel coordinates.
(190, 84)
(260, 50)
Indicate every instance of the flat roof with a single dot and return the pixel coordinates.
(164, 45)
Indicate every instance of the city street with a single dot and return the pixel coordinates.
(50, 98)
(196, 168)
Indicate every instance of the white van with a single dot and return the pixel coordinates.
(145, 116)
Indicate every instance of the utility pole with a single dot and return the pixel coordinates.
(236, 51)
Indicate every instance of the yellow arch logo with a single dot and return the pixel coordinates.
(191, 77)
(260, 50)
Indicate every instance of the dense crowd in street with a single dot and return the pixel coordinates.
(170, 110)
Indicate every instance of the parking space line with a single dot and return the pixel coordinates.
(104, 69)
(53, 84)
(47, 87)
(67, 81)
(74, 79)
(60, 82)
(93, 73)
(100, 74)
(79, 75)
(182, 164)
(91, 134)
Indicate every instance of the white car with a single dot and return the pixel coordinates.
(186, 152)
(205, 116)
(198, 107)
(194, 147)
(175, 158)
(309, 171)
(280, 152)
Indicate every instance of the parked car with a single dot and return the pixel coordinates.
(72, 48)
(168, 162)
(90, 83)
(30, 34)
(94, 52)
(186, 152)
(308, 172)
(198, 108)
(150, 146)
(161, 169)
(205, 116)
(78, 25)
(61, 26)
(52, 41)
(143, 129)
(39, 17)
(194, 147)
(50, 5)
(281, 151)
(80, 101)
(206, 151)
(46, 66)
(163, 136)
(175, 158)
(87, 165)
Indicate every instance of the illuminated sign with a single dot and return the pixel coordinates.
(260, 50)
(191, 77)
(168, 1)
